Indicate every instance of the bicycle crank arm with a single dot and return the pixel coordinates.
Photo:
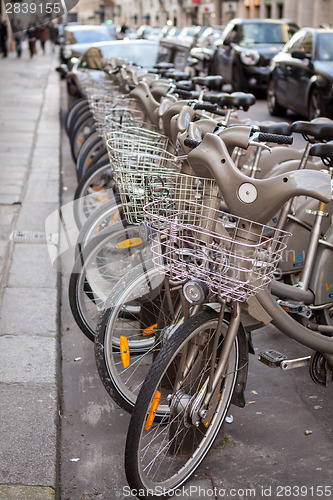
(289, 364)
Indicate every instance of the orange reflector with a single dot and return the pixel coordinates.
(80, 140)
(115, 217)
(102, 198)
(88, 162)
(124, 351)
(209, 421)
(150, 330)
(152, 411)
(132, 242)
(96, 188)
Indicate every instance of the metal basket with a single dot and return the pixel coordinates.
(121, 119)
(116, 109)
(146, 183)
(235, 257)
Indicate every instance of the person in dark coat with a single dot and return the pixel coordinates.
(43, 35)
(3, 37)
(32, 37)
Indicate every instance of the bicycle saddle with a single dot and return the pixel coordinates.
(255, 199)
(213, 98)
(211, 82)
(163, 65)
(270, 127)
(322, 131)
(185, 85)
(324, 151)
(237, 100)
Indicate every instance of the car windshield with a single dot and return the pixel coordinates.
(136, 53)
(325, 47)
(263, 33)
(87, 36)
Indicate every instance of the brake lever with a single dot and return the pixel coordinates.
(261, 145)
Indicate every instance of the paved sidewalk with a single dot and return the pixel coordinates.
(29, 192)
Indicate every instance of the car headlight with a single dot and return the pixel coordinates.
(67, 53)
(249, 57)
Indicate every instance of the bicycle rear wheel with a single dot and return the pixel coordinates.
(101, 264)
(160, 456)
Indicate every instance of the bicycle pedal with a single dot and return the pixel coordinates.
(295, 308)
(271, 358)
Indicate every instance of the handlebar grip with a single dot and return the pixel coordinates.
(184, 93)
(191, 143)
(276, 138)
(206, 107)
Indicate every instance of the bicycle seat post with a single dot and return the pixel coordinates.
(313, 246)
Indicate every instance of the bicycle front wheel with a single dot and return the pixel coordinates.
(131, 331)
(160, 456)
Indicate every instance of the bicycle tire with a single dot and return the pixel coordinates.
(103, 217)
(96, 271)
(89, 193)
(142, 287)
(89, 149)
(72, 112)
(84, 127)
(184, 446)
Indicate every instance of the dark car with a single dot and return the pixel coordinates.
(88, 67)
(77, 39)
(245, 51)
(301, 76)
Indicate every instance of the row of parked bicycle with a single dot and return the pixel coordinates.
(196, 228)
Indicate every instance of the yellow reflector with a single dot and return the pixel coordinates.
(132, 242)
(152, 411)
(148, 331)
(124, 351)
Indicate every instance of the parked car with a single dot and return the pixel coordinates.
(143, 31)
(140, 52)
(76, 39)
(245, 51)
(301, 75)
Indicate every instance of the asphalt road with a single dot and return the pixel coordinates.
(265, 452)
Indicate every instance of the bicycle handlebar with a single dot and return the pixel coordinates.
(206, 107)
(276, 138)
(258, 136)
(191, 143)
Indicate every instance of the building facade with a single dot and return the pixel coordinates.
(181, 13)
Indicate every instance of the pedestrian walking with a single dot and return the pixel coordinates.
(32, 37)
(17, 31)
(43, 35)
(3, 37)
(53, 35)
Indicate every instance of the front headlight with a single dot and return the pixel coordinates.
(249, 57)
(67, 53)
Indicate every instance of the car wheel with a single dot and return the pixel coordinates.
(274, 108)
(314, 107)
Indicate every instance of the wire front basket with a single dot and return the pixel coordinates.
(235, 257)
